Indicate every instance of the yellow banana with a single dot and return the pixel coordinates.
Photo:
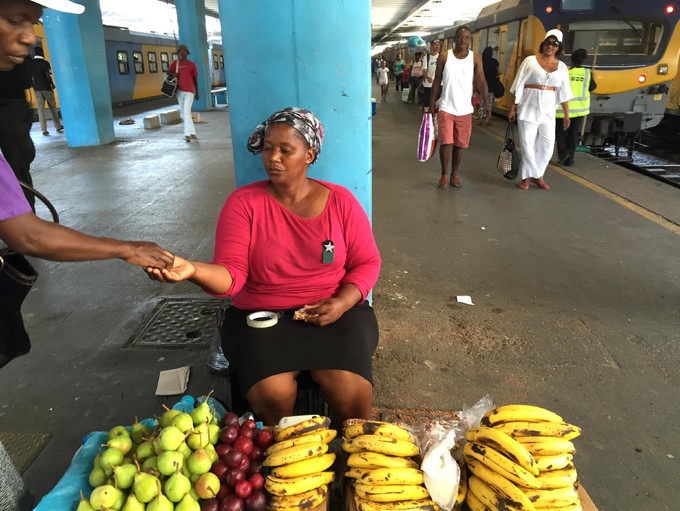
(557, 498)
(553, 462)
(305, 467)
(513, 413)
(512, 495)
(490, 497)
(385, 445)
(524, 428)
(546, 446)
(404, 505)
(390, 492)
(302, 428)
(554, 479)
(392, 476)
(576, 506)
(322, 435)
(295, 454)
(462, 487)
(306, 500)
(356, 473)
(366, 459)
(505, 444)
(296, 485)
(499, 463)
(377, 428)
(474, 504)
(351, 448)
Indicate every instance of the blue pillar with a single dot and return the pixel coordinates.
(312, 54)
(192, 32)
(79, 60)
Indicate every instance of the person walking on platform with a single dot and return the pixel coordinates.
(541, 84)
(430, 70)
(459, 72)
(416, 72)
(491, 73)
(383, 80)
(187, 89)
(582, 84)
(399, 66)
(44, 91)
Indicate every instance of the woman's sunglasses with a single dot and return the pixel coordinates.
(554, 44)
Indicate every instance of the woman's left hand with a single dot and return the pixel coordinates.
(325, 312)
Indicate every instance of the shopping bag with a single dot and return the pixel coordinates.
(508, 159)
(427, 140)
(169, 87)
(404, 95)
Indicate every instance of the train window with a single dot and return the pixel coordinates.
(174, 56)
(615, 37)
(164, 61)
(216, 63)
(221, 62)
(153, 65)
(123, 64)
(578, 5)
(139, 63)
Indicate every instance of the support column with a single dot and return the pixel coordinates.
(79, 60)
(192, 32)
(310, 54)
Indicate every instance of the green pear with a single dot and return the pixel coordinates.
(139, 431)
(183, 422)
(185, 450)
(150, 464)
(124, 475)
(145, 450)
(169, 462)
(188, 504)
(98, 457)
(207, 486)
(210, 449)
(160, 502)
(84, 504)
(170, 438)
(97, 477)
(194, 477)
(194, 495)
(157, 446)
(202, 413)
(103, 497)
(199, 436)
(110, 458)
(132, 504)
(120, 500)
(166, 418)
(145, 487)
(176, 487)
(118, 431)
(122, 443)
(214, 434)
(199, 462)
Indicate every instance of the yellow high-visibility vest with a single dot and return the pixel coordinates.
(579, 78)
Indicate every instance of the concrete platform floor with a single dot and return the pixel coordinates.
(576, 294)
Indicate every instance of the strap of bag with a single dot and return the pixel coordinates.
(509, 131)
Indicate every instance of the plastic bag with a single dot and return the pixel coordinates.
(217, 362)
(427, 139)
(441, 472)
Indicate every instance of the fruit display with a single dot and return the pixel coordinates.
(386, 478)
(299, 465)
(520, 458)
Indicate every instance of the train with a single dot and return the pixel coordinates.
(633, 47)
(137, 63)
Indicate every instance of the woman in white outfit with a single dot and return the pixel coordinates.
(541, 84)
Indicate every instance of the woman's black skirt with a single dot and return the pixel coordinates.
(257, 353)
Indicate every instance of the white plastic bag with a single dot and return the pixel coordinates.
(441, 472)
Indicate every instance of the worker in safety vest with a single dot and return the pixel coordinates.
(582, 84)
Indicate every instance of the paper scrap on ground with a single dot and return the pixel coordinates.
(465, 299)
(173, 382)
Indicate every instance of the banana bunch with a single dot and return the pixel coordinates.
(385, 478)
(520, 458)
(300, 462)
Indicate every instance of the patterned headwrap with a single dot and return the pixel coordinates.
(302, 120)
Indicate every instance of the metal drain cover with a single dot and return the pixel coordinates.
(179, 323)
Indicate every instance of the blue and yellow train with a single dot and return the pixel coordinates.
(137, 63)
(633, 46)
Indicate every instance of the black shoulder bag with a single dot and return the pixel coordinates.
(508, 159)
(17, 276)
(169, 87)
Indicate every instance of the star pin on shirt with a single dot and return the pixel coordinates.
(328, 251)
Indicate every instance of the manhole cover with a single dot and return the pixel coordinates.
(23, 448)
(179, 323)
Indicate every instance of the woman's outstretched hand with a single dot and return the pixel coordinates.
(181, 270)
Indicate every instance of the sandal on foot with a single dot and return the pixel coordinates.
(541, 184)
(524, 185)
(443, 181)
(455, 182)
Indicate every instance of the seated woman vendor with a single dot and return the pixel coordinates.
(287, 244)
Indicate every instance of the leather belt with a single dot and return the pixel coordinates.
(539, 87)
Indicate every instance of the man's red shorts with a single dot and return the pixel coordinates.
(454, 129)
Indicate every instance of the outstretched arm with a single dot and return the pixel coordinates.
(212, 278)
(30, 235)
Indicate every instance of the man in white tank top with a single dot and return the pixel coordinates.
(459, 72)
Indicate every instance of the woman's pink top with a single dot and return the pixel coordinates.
(276, 258)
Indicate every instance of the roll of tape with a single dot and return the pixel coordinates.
(262, 319)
